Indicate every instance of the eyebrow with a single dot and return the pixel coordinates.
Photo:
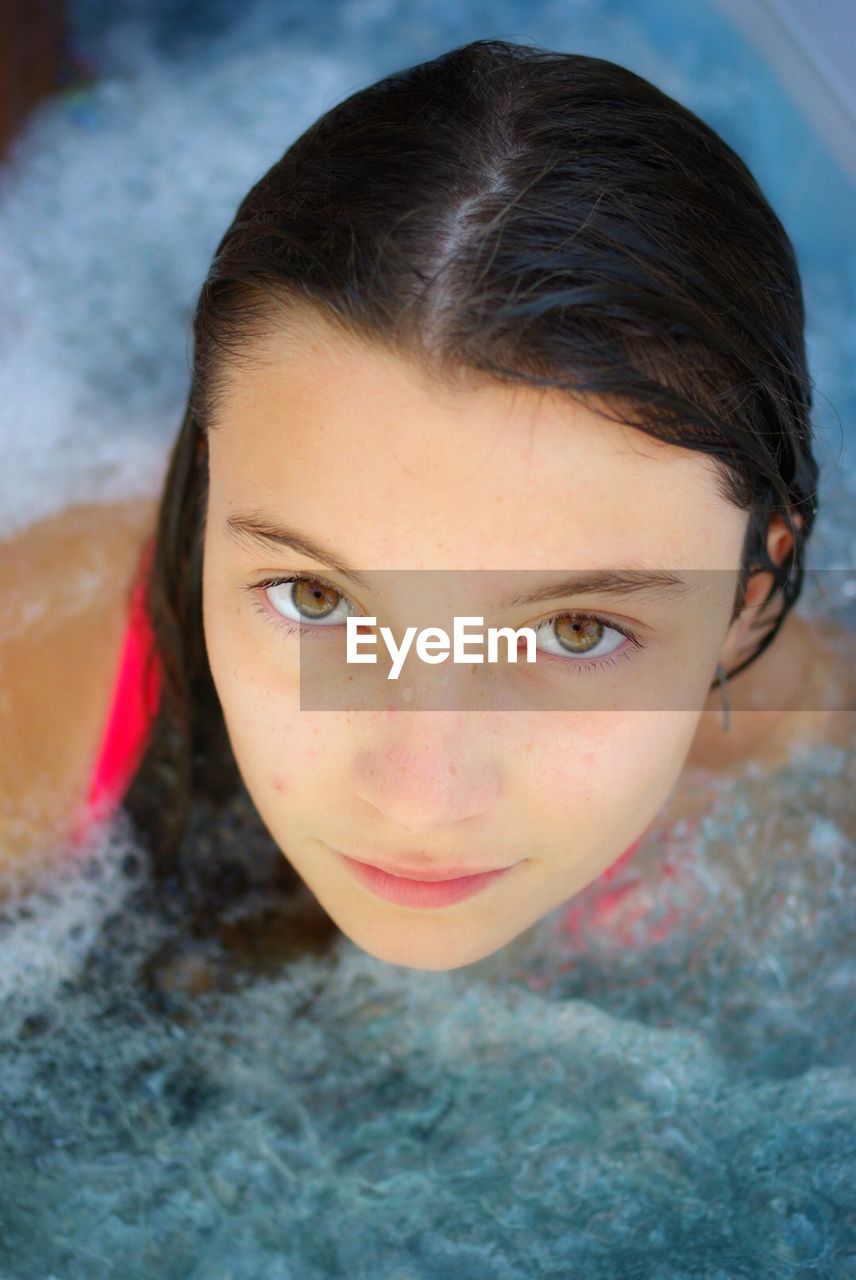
(260, 529)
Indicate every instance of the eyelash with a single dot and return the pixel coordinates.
(292, 628)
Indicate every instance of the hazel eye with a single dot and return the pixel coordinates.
(308, 600)
(306, 604)
(582, 635)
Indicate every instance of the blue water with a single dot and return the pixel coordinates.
(654, 1082)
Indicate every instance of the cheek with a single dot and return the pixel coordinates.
(292, 763)
(606, 764)
(272, 739)
(258, 690)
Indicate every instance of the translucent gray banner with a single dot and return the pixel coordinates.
(570, 640)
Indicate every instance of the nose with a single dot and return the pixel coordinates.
(426, 774)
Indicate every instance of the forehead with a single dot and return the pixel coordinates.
(366, 450)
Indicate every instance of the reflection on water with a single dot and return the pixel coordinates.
(210, 1082)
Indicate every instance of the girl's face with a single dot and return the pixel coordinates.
(359, 452)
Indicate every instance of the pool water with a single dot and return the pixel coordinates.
(210, 1082)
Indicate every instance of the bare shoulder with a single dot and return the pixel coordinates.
(93, 534)
(817, 658)
(64, 594)
(800, 693)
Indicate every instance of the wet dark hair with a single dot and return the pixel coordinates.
(502, 213)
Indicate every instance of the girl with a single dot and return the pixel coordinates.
(509, 309)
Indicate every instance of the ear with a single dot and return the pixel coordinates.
(755, 619)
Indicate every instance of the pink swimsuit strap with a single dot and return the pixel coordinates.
(135, 702)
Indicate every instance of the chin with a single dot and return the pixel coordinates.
(433, 957)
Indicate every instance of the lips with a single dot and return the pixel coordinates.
(428, 875)
(421, 894)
